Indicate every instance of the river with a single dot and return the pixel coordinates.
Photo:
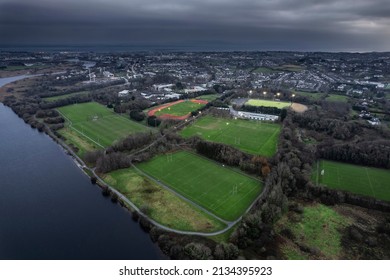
(50, 210)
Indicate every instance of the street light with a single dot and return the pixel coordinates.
(292, 97)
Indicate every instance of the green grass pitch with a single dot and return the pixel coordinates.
(180, 109)
(99, 124)
(208, 97)
(268, 103)
(253, 137)
(361, 180)
(205, 182)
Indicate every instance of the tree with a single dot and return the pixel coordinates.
(153, 121)
(283, 114)
(137, 115)
(197, 251)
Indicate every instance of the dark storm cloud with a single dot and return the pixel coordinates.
(246, 24)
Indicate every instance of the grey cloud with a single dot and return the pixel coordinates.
(262, 24)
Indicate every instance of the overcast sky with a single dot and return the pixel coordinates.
(317, 25)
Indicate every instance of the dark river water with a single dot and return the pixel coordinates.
(50, 210)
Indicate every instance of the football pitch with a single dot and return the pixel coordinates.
(253, 137)
(221, 190)
(99, 124)
(268, 103)
(180, 109)
(361, 180)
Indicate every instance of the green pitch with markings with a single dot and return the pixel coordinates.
(98, 124)
(357, 179)
(253, 137)
(219, 189)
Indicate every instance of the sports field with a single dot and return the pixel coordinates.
(253, 137)
(209, 97)
(268, 103)
(361, 180)
(222, 191)
(99, 124)
(179, 109)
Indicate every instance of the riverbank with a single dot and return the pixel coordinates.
(50, 208)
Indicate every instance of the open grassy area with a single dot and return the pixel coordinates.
(161, 205)
(59, 97)
(310, 95)
(208, 97)
(268, 103)
(99, 124)
(319, 227)
(180, 109)
(224, 237)
(290, 67)
(336, 98)
(82, 143)
(253, 137)
(263, 70)
(205, 182)
(361, 180)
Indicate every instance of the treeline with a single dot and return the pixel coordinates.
(336, 128)
(288, 178)
(25, 108)
(338, 108)
(135, 141)
(331, 197)
(65, 102)
(371, 153)
(187, 247)
(116, 157)
(233, 157)
(48, 89)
